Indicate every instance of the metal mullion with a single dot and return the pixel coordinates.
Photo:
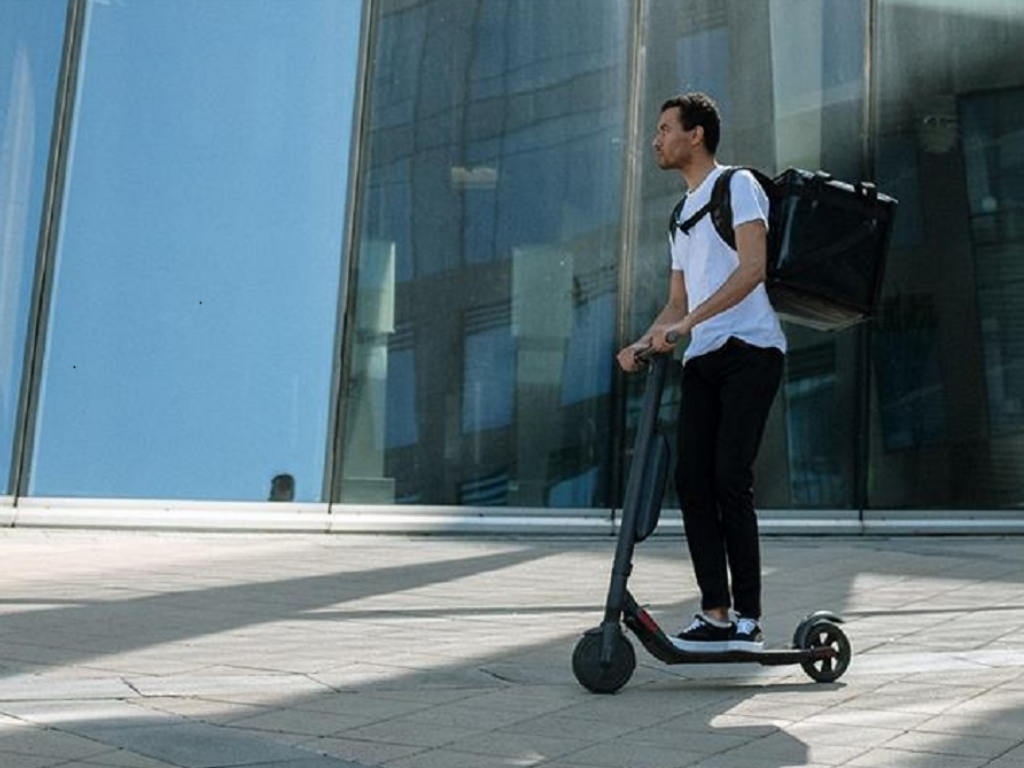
(862, 457)
(345, 326)
(49, 228)
(629, 240)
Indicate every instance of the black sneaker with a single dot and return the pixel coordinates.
(704, 634)
(746, 636)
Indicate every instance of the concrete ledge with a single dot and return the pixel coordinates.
(171, 515)
(353, 518)
(943, 522)
(422, 519)
(303, 518)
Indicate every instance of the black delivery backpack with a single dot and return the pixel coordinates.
(827, 243)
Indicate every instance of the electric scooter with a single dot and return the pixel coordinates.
(604, 660)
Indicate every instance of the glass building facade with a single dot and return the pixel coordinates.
(372, 257)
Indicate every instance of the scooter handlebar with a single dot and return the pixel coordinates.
(645, 354)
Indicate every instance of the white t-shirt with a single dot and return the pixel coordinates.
(706, 263)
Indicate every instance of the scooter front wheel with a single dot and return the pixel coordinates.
(824, 634)
(598, 677)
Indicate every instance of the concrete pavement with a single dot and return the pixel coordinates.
(160, 650)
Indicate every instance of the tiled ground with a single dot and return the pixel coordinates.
(150, 650)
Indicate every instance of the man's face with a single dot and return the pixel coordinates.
(673, 145)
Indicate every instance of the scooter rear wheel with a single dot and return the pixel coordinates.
(825, 634)
(599, 678)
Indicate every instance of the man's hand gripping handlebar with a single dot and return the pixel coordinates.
(636, 356)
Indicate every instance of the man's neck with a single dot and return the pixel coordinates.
(697, 170)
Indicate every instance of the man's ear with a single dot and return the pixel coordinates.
(698, 135)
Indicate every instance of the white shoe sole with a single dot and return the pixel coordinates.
(701, 646)
(750, 646)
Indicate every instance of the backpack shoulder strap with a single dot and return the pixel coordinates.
(721, 213)
(673, 222)
(721, 216)
(719, 200)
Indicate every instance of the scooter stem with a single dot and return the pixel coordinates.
(622, 566)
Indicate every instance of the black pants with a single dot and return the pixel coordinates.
(725, 402)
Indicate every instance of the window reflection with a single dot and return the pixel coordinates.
(190, 342)
(494, 162)
(948, 352)
(993, 136)
(487, 380)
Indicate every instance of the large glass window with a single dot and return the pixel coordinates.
(948, 418)
(191, 349)
(482, 348)
(190, 342)
(788, 79)
(31, 32)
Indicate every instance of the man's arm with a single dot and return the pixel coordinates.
(752, 249)
(673, 311)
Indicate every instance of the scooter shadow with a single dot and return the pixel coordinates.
(721, 721)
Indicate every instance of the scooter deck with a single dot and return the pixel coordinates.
(658, 644)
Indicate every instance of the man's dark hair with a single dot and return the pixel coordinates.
(698, 109)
